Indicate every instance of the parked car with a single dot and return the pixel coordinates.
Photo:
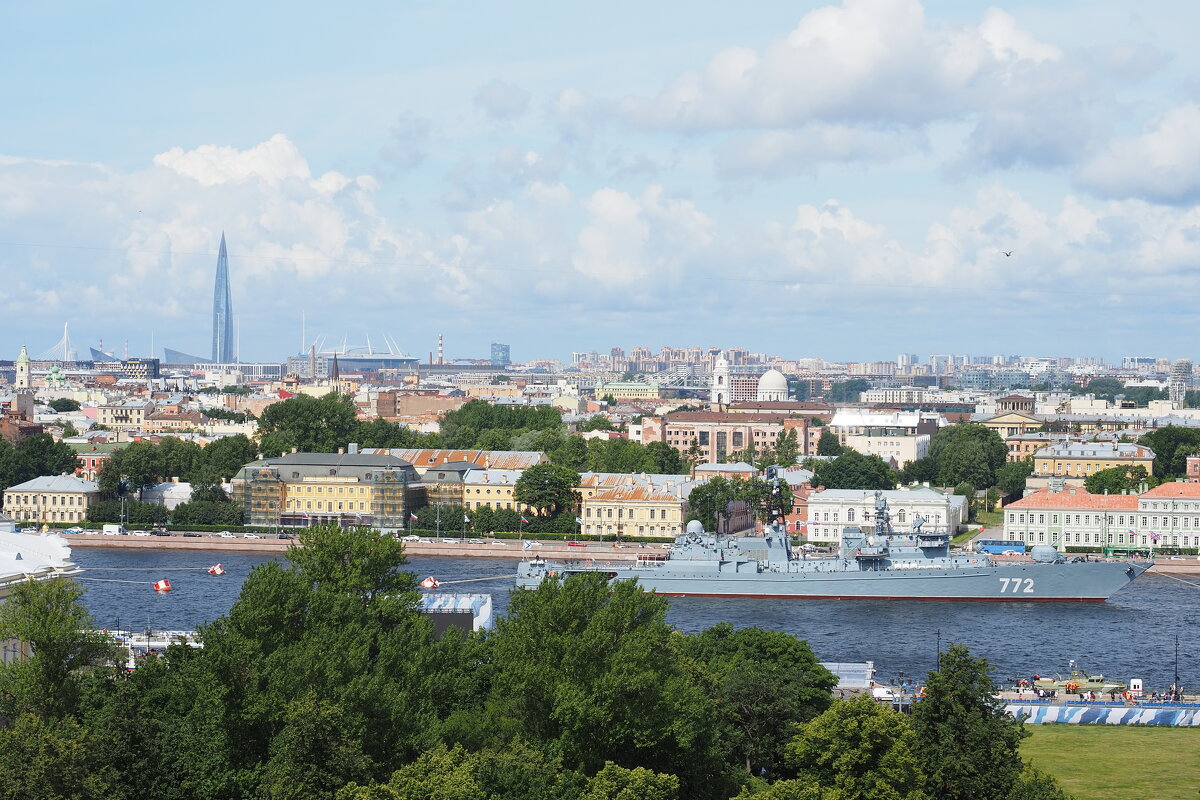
(114, 530)
(449, 541)
(159, 532)
(139, 533)
(191, 534)
(411, 538)
(475, 541)
(249, 535)
(284, 536)
(226, 535)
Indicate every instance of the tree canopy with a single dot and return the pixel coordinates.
(852, 470)
(1172, 445)
(1120, 480)
(548, 489)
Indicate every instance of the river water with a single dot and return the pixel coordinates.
(1132, 635)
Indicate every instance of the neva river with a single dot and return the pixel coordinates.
(1132, 635)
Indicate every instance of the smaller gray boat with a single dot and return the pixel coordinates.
(878, 564)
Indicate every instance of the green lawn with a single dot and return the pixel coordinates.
(1103, 762)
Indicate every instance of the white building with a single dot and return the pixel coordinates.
(833, 509)
(896, 436)
(51, 498)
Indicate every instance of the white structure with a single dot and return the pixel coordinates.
(892, 435)
(24, 378)
(772, 386)
(831, 510)
(720, 393)
(1180, 382)
(23, 557)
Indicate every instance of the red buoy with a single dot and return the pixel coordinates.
(162, 586)
(430, 583)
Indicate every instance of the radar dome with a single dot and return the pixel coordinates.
(695, 526)
(772, 386)
(1044, 553)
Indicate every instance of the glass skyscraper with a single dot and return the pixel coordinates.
(222, 337)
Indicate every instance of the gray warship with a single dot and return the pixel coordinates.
(876, 564)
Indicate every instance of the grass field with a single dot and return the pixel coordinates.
(1115, 762)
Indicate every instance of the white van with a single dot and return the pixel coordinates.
(883, 694)
(114, 530)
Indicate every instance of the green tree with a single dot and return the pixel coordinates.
(970, 745)
(69, 430)
(853, 470)
(1010, 478)
(847, 391)
(594, 669)
(967, 452)
(33, 456)
(765, 683)
(829, 444)
(50, 759)
(571, 454)
(787, 448)
(224, 457)
(310, 424)
(548, 489)
(709, 502)
(695, 456)
(614, 782)
(1171, 445)
(597, 422)
(860, 748)
(64, 405)
(1033, 784)
(1119, 480)
(50, 618)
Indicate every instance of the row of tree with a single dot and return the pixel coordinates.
(34, 456)
(323, 681)
(714, 501)
(142, 464)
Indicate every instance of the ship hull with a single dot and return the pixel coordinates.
(1023, 583)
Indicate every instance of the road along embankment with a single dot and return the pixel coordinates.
(490, 549)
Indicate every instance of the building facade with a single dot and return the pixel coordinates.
(124, 416)
(302, 489)
(831, 510)
(50, 499)
(1065, 515)
(719, 433)
(1081, 459)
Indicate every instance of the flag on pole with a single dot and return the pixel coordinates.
(524, 520)
(412, 516)
(466, 518)
(579, 520)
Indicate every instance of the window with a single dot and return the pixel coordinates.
(850, 515)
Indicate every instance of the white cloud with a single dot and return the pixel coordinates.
(1161, 164)
(865, 60)
(776, 153)
(274, 160)
(502, 100)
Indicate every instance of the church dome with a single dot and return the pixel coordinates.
(772, 380)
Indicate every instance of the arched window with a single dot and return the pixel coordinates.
(900, 515)
(850, 515)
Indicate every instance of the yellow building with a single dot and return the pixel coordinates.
(491, 488)
(629, 390)
(1081, 459)
(51, 498)
(129, 415)
(634, 505)
(302, 489)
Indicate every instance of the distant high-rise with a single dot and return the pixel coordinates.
(222, 337)
(500, 355)
(1180, 381)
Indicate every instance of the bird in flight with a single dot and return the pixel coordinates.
(1007, 253)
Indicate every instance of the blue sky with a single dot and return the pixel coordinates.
(835, 180)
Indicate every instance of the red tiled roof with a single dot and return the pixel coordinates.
(1073, 497)
(1176, 489)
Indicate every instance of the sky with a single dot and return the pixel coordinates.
(840, 180)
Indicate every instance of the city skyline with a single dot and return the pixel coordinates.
(415, 173)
